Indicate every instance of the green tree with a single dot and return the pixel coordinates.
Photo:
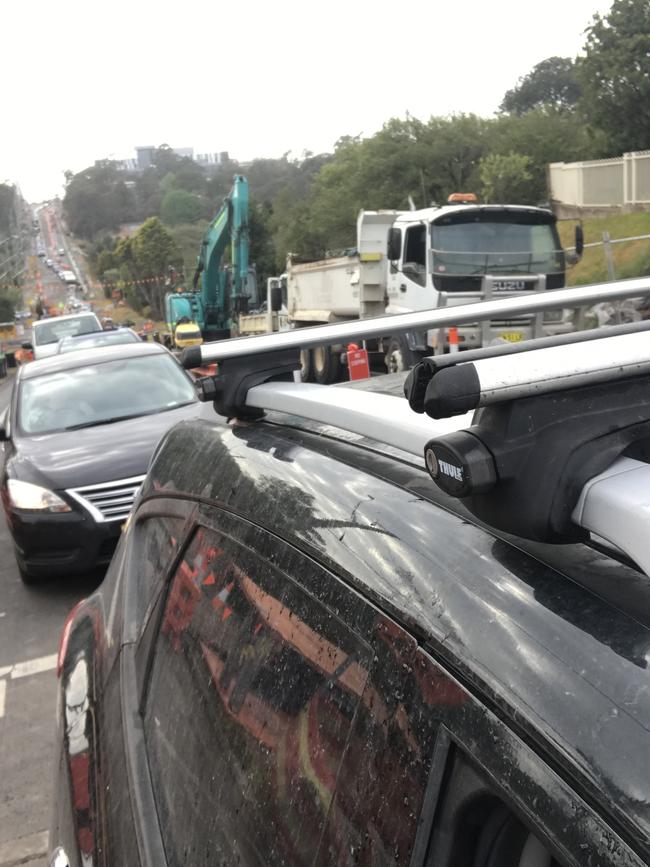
(544, 137)
(179, 206)
(552, 83)
(97, 199)
(615, 75)
(144, 261)
(9, 301)
(505, 178)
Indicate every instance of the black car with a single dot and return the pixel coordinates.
(305, 653)
(79, 434)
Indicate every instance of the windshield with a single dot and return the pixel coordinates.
(506, 243)
(99, 393)
(100, 338)
(189, 334)
(53, 330)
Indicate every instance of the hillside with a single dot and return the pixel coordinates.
(631, 259)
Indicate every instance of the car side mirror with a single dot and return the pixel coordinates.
(276, 298)
(394, 248)
(580, 240)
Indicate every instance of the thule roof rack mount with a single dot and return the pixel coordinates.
(544, 446)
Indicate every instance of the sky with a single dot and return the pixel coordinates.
(84, 80)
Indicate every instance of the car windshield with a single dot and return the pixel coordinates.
(99, 338)
(102, 393)
(51, 331)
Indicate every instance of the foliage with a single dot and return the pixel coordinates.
(505, 178)
(544, 137)
(552, 84)
(10, 299)
(614, 75)
(143, 261)
(97, 199)
(180, 206)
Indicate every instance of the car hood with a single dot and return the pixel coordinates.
(93, 455)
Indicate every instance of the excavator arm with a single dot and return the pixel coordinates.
(222, 297)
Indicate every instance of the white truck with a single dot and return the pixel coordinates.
(419, 260)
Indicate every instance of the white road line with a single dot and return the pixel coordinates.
(19, 851)
(3, 693)
(34, 666)
(5, 670)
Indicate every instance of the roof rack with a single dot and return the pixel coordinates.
(546, 448)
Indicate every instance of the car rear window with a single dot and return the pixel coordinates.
(46, 332)
(253, 692)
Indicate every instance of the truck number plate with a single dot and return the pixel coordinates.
(508, 286)
(512, 336)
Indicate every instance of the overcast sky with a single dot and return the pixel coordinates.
(83, 81)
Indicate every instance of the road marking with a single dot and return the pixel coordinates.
(5, 670)
(34, 666)
(23, 849)
(3, 693)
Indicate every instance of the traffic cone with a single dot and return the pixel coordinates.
(453, 339)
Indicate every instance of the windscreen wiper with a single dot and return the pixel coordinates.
(112, 420)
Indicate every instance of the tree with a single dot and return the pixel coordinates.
(544, 137)
(144, 260)
(179, 206)
(552, 84)
(505, 178)
(615, 75)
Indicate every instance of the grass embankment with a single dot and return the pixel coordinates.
(631, 259)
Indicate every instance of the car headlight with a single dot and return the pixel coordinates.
(32, 498)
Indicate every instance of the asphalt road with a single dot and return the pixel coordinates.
(31, 619)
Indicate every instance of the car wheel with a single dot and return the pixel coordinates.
(327, 364)
(306, 366)
(398, 356)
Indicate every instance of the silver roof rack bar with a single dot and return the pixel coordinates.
(378, 326)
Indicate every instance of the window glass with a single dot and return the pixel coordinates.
(253, 690)
(415, 254)
(155, 543)
(475, 827)
(480, 244)
(55, 329)
(100, 393)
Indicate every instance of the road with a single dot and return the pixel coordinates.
(31, 619)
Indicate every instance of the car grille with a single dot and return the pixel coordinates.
(110, 501)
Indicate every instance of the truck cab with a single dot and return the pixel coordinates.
(465, 251)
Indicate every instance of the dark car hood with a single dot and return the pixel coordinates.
(89, 456)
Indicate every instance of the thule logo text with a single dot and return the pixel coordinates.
(451, 471)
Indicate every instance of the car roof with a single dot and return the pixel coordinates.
(529, 626)
(84, 357)
(66, 316)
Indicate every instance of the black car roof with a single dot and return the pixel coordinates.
(84, 357)
(519, 623)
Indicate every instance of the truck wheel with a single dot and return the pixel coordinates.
(306, 366)
(327, 364)
(398, 356)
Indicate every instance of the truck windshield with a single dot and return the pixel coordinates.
(478, 243)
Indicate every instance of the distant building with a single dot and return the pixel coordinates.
(215, 159)
(145, 156)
